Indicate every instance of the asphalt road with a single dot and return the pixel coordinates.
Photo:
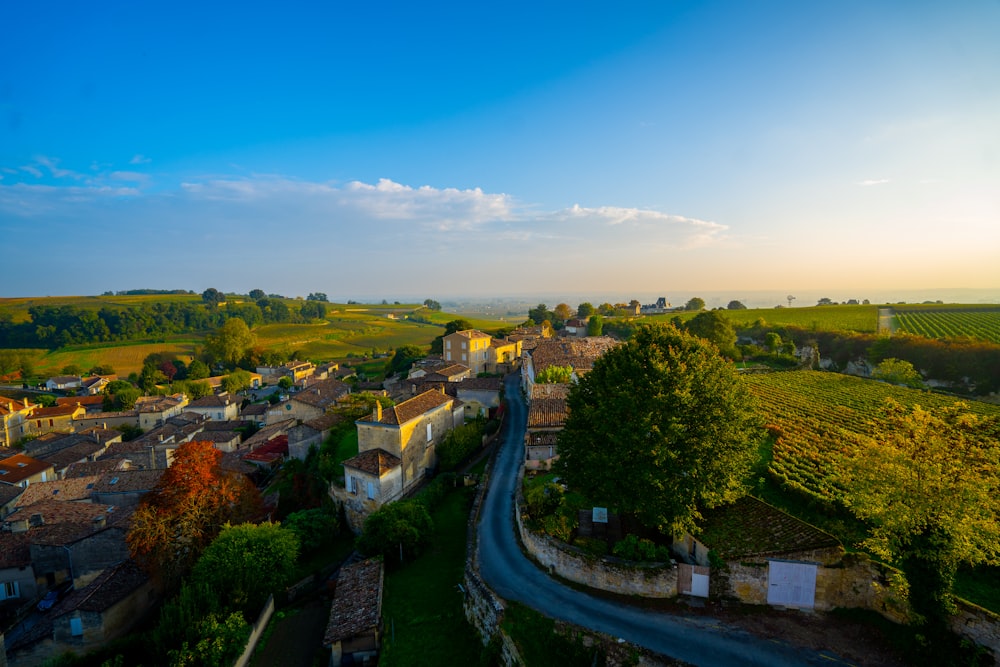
(696, 640)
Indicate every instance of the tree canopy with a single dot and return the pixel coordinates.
(691, 436)
(928, 484)
(595, 325)
(231, 341)
(695, 303)
(736, 305)
(897, 371)
(715, 328)
(585, 309)
(555, 375)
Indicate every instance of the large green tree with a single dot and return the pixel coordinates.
(231, 341)
(928, 483)
(897, 371)
(715, 328)
(661, 428)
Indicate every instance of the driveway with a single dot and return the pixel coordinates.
(696, 640)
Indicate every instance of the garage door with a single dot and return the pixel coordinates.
(791, 584)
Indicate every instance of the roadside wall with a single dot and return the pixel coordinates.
(652, 580)
(980, 625)
(255, 632)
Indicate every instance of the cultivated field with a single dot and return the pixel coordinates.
(951, 322)
(860, 319)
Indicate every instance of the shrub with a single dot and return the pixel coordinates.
(640, 549)
(543, 499)
(403, 526)
(459, 444)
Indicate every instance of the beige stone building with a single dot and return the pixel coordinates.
(469, 348)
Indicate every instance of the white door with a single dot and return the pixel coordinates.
(791, 584)
(699, 585)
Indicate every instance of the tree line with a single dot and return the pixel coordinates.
(53, 327)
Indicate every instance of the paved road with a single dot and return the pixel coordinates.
(697, 640)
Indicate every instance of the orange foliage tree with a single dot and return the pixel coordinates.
(194, 498)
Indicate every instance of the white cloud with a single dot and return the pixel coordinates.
(131, 176)
(873, 181)
(139, 158)
(52, 164)
(34, 171)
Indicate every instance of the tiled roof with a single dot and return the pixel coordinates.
(212, 401)
(55, 411)
(472, 333)
(17, 468)
(481, 384)
(751, 527)
(128, 481)
(7, 452)
(274, 450)
(9, 492)
(323, 394)
(65, 379)
(77, 488)
(85, 401)
(323, 422)
(262, 436)
(373, 461)
(555, 390)
(357, 601)
(15, 550)
(256, 409)
(54, 522)
(109, 588)
(87, 468)
(412, 408)
(219, 436)
(70, 455)
(547, 413)
(12, 405)
(580, 353)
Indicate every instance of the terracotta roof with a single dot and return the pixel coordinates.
(17, 468)
(547, 413)
(212, 401)
(357, 601)
(55, 522)
(15, 550)
(322, 394)
(77, 488)
(256, 409)
(481, 384)
(373, 461)
(323, 422)
(109, 588)
(413, 408)
(87, 468)
(262, 436)
(85, 401)
(9, 492)
(12, 405)
(554, 390)
(128, 481)
(751, 527)
(472, 333)
(69, 455)
(580, 353)
(219, 436)
(274, 450)
(56, 411)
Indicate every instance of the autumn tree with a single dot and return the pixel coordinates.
(231, 341)
(927, 482)
(562, 312)
(194, 498)
(692, 431)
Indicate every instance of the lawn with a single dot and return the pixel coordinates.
(422, 609)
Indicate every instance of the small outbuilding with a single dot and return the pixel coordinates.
(354, 632)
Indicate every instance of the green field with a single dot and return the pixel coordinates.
(860, 319)
(951, 322)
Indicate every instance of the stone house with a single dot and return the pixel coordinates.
(124, 488)
(57, 419)
(502, 355)
(218, 407)
(21, 470)
(411, 430)
(469, 348)
(156, 410)
(95, 384)
(17, 578)
(547, 414)
(310, 434)
(311, 402)
(13, 414)
(63, 382)
(577, 353)
(354, 632)
(374, 478)
(480, 395)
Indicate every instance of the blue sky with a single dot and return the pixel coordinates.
(402, 150)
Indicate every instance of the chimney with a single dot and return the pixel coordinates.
(378, 411)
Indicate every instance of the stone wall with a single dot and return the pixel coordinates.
(653, 580)
(980, 625)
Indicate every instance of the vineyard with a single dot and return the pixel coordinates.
(817, 416)
(982, 324)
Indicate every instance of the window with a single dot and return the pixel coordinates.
(352, 484)
(447, 345)
(76, 626)
(9, 590)
(429, 434)
(464, 345)
(371, 490)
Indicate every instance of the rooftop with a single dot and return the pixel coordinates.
(357, 601)
(373, 461)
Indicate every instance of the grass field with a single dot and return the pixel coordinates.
(861, 319)
(944, 323)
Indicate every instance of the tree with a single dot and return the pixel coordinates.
(736, 305)
(195, 389)
(595, 325)
(897, 371)
(403, 527)
(692, 437)
(606, 309)
(313, 310)
(928, 484)
(772, 341)
(213, 297)
(120, 395)
(257, 294)
(197, 370)
(431, 304)
(246, 563)
(826, 301)
(540, 313)
(231, 342)
(555, 375)
(716, 328)
(317, 296)
(562, 312)
(236, 381)
(169, 370)
(403, 358)
(285, 383)
(194, 498)
(72, 369)
(584, 310)
(315, 528)
(695, 303)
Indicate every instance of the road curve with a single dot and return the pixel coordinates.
(696, 640)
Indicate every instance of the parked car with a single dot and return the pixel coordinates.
(53, 596)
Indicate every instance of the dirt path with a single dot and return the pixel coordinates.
(886, 321)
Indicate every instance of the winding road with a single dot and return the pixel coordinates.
(696, 640)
